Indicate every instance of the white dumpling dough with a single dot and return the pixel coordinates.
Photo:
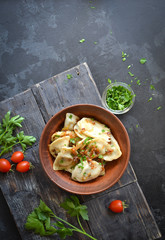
(115, 153)
(64, 160)
(92, 128)
(70, 121)
(58, 134)
(56, 145)
(87, 171)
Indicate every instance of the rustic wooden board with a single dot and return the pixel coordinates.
(23, 191)
(135, 223)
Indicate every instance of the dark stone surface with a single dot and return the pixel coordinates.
(41, 38)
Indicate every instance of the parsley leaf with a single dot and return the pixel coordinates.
(143, 60)
(150, 99)
(158, 108)
(152, 87)
(74, 208)
(131, 74)
(7, 139)
(69, 76)
(109, 81)
(82, 40)
(40, 220)
(118, 98)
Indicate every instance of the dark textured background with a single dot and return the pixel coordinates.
(39, 39)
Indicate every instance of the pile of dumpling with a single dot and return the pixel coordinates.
(82, 147)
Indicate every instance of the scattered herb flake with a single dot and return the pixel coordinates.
(93, 7)
(109, 80)
(152, 87)
(123, 54)
(69, 76)
(143, 60)
(82, 40)
(129, 66)
(137, 125)
(158, 108)
(70, 116)
(150, 99)
(95, 42)
(138, 82)
(124, 59)
(131, 74)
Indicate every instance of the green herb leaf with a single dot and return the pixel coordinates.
(7, 139)
(82, 40)
(143, 60)
(40, 219)
(158, 108)
(109, 81)
(123, 54)
(118, 98)
(131, 74)
(74, 208)
(138, 82)
(69, 76)
(150, 99)
(152, 87)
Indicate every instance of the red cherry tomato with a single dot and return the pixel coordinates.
(17, 157)
(117, 206)
(5, 165)
(23, 166)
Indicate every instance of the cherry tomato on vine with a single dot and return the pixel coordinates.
(5, 165)
(117, 206)
(23, 166)
(17, 157)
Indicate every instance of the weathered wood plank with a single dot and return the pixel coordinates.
(127, 178)
(24, 104)
(135, 223)
(58, 92)
(23, 191)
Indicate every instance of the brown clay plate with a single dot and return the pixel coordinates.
(113, 170)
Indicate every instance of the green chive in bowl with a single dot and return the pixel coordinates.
(118, 98)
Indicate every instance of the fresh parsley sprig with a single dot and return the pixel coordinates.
(40, 222)
(7, 138)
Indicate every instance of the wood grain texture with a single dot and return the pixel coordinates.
(59, 92)
(135, 223)
(23, 191)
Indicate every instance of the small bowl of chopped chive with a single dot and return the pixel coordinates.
(118, 98)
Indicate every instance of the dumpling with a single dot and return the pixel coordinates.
(56, 145)
(114, 152)
(86, 171)
(78, 132)
(70, 121)
(91, 128)
(58, 134)
(64, 160)
(100, 145)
